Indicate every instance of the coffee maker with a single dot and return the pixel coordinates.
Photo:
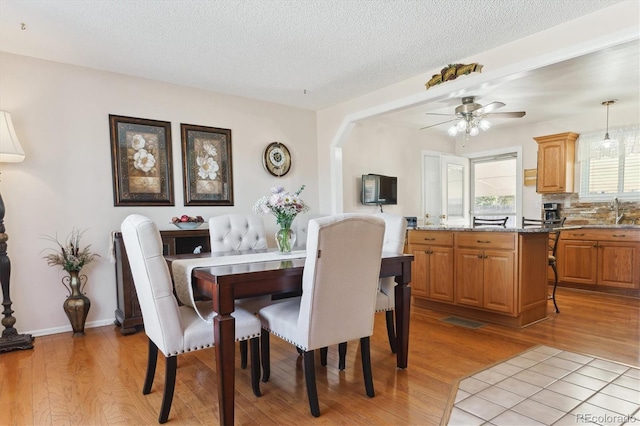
(551, 211)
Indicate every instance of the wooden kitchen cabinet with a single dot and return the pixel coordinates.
(488, 275)
(577, 261)
(432, 269)
(485, 272)
(556, 159)
(128, 314)
(600, 258)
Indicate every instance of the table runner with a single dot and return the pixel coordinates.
(182, 271)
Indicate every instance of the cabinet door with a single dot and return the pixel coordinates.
(551, 171)
(420, 271)
(577, 261)
(619, 264)
(469, 277)
(499, 280)
(441, 273)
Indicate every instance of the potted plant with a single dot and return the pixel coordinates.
(72, 258)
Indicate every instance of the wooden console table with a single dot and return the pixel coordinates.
(128, 314)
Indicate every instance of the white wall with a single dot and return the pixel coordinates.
(377, 147)
(384, 149)
(60, 113)
(562, 42)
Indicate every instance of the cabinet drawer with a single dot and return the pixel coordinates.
(482, 240)
(440, 238)
(602, 234)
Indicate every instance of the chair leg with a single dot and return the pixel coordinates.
(391, 331)
(152, 359)
(323, 356)
(243, 354)
(265, 355)
(169, 386)
(255, 365)
(365, 351)
(342, 353)
(555, 284)
(310, 378)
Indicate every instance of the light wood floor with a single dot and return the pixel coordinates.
(97, 379)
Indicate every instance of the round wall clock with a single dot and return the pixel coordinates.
(276, 159)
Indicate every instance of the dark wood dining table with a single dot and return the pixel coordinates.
(225, 284)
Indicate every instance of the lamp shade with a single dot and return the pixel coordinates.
(10, 149)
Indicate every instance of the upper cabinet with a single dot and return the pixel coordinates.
(556, 159)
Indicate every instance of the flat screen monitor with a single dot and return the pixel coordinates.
(379, 189)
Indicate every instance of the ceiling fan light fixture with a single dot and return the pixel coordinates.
(474, 131)
(462, 125)
(453, 130)
(484, 124)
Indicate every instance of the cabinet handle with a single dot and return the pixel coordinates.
(595, 245)
(577, 235)
(485, 256)
(429, 239)
(619, 235)
(428, 252)
(479, 256)
(482, 242)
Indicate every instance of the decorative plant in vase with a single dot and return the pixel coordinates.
(285, 206)
(72, 259)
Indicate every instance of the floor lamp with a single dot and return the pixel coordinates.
(10, 152)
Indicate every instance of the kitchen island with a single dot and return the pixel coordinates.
(487, 274)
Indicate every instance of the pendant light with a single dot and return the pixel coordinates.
(607, 141)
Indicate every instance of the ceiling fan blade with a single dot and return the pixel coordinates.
(514, 114)
(489, 107)
(436, 113)
(434, 125)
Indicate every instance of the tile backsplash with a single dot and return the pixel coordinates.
(594, 213)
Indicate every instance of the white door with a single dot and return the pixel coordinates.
(445, 189)
(431, 190)
(455, 191)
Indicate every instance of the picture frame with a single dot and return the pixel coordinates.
(141, 161)
(207, 165)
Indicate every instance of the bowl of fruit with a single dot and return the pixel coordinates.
(187, 222)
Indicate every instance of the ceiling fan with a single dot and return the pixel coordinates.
(472, 117)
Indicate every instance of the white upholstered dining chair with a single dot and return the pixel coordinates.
(232, 232)
(339, 286)
(171, 328)
(394, 236)
(229, 232)
(299, 226)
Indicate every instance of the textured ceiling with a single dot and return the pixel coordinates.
(306, 53)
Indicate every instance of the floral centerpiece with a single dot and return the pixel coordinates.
(72, 258)
(285, 206)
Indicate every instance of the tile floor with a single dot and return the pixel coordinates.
(548, 386)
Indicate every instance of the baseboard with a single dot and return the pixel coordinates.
(66, 328)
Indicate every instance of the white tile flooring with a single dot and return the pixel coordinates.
(548, 386)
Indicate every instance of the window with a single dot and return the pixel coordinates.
(494, 186)
(610, 168)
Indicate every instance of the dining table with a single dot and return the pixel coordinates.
(226, 277)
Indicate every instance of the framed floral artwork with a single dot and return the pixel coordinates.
(141, 160)
(207, 166)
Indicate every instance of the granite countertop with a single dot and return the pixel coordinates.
(481, 229)
(527, 230)
(623, 226)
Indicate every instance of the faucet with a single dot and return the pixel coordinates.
(616, 210)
